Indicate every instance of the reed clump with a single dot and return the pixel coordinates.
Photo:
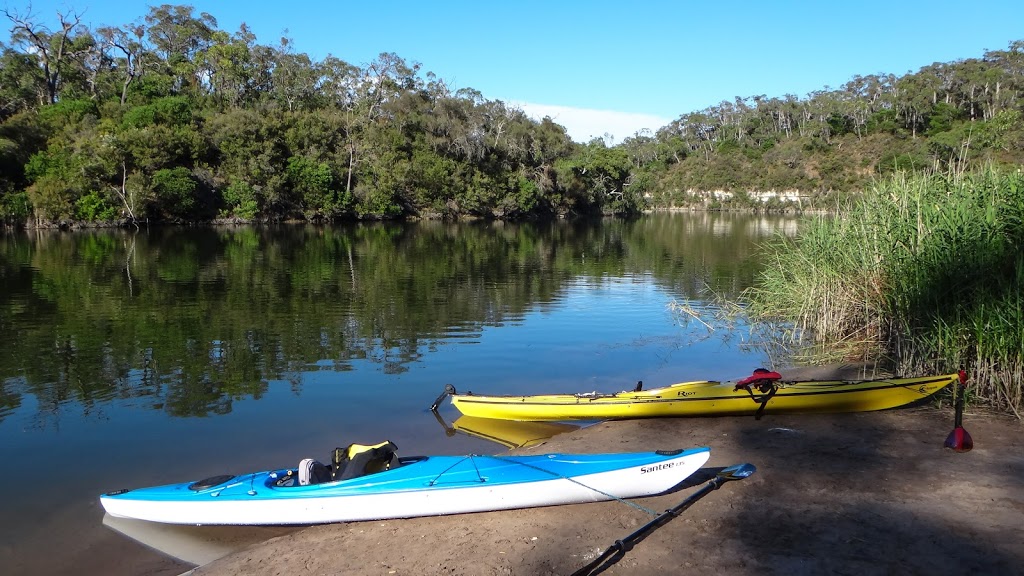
(926, 271)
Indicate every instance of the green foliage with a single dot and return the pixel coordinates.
(242, 200)
(376, 203)
(942, 117)
(149, 87)
(431, 180)
(896, 162)
(249, 149)
(93, 207)
(522, 200)
(728, 147)
(313, 183)
(883, 121)
(42, 163)
(840, 124)
(15, 208)
(168, 111)
(20, 138)
(58, 178)
(176, 192)
(52, 198)
(67, 113)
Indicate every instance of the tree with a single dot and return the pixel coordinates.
(55, 51)
(18, 86)
(230, 68)
(179, 37)
(129, 43)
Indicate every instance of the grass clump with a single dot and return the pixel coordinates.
(925, 271)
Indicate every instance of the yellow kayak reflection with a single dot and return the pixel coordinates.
(508, 433)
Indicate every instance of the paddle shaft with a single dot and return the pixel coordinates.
(626, 544)
(958, 407)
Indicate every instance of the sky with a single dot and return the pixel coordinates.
(609, 69)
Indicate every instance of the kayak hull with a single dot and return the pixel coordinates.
(706, 398)
(426, 486)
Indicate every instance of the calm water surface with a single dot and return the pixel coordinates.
(132, 359)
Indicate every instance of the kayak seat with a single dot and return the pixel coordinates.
(312, 472)
(359, 460)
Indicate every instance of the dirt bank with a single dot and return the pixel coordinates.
(870, 493)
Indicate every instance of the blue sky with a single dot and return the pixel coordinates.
(602, 67)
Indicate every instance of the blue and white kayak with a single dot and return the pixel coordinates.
(417, 486)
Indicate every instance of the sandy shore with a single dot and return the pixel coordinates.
(869, 493)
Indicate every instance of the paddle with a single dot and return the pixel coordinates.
(959, 440)
(616, 551)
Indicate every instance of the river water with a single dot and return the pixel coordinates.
(137, 358)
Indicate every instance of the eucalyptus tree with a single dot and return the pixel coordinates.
(371, 133)
(699, 130)
(128, 53)
(179, 37)
(913, 101)
(339, 84)
(229, 67)
(1010, 63)
(294, 79)
(386, 78)
(818, 109)
(19, 90)
(55, 52)
(673, 148)
(641, 148)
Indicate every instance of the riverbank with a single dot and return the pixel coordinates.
(868, 493)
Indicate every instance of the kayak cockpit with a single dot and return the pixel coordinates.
(353, 461)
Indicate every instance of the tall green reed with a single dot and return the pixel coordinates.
(925, 271)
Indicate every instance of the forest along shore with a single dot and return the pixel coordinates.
(865, 493)
(192, 138)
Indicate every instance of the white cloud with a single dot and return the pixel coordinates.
(584, 124)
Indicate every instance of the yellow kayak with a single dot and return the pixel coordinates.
(764, 392)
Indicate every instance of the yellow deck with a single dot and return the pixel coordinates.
(706, 398)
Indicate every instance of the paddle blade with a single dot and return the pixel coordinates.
(737, 472)
(959, 440)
